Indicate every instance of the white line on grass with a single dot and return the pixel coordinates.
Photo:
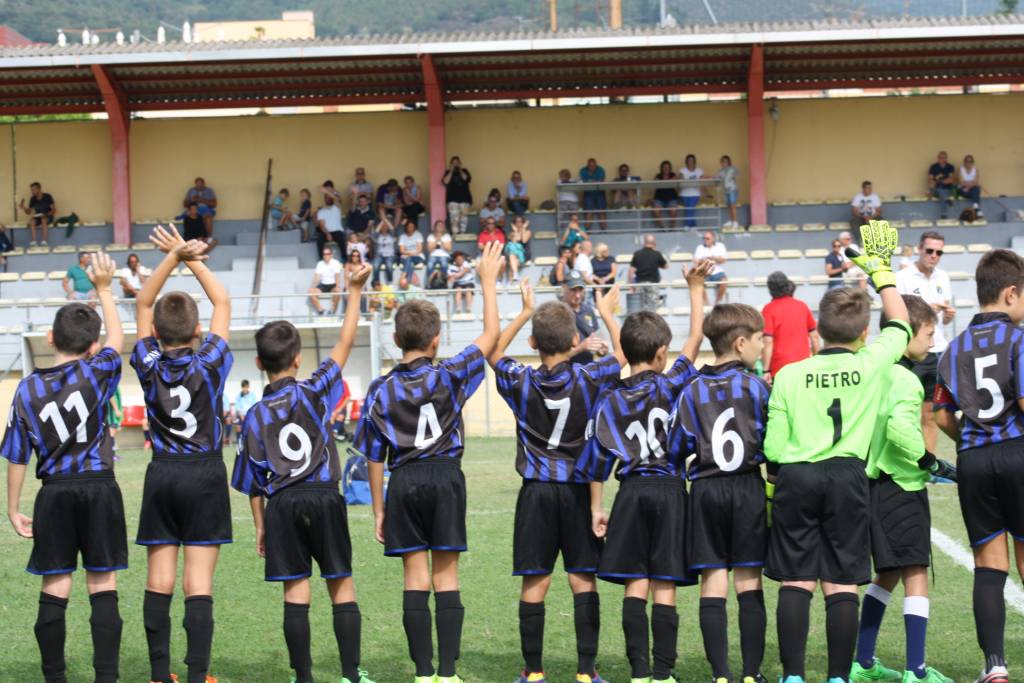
(1014, 595)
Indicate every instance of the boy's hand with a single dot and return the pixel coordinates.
(527, 292)
(360, 277)
(490, 262)
(102, 271)
(22, 524)
(880, 240)
(599, 523)
(695, 275)
(608, 303)
(166, 239)
(261, 542)
(193, 250)
(378, 527)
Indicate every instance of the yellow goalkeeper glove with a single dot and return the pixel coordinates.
(880, 240)
(769, 494)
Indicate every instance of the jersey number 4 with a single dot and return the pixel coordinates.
(75, 403)
(428, 428)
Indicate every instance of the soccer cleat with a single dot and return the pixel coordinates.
(836, 680)
(363, 678)
(997, 674)
(640, 680)
(587, 678)
(448, 679)
(791, 679)
(876, 672)
(425, 679)
(670, 679)
(930, 676)
(535, 677)
(759, 678)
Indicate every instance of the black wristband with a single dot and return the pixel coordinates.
(926, 461)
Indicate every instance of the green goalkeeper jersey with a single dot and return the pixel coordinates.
(826, 406)
(898, 443)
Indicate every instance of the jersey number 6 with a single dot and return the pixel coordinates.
(720, 436)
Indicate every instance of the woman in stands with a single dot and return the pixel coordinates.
(515, 249)
(970, 184)
(666, 198)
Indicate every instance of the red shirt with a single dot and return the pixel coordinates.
(490, 236)
(788, 322)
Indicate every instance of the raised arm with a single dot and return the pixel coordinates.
(490, 265)
(341, 350)
(513, 328)
(166, 240)
(193, 254)
(695, 280)
(606, 305)
(102, 275)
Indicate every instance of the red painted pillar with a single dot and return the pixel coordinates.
(435, 138)
(755, 136)
(118, 117)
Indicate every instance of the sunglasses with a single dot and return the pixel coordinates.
(935, 252)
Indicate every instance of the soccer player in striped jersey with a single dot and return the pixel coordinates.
(645, 536)
(288, 465)
(720, 417)
(898, 467)
(60, 414)
(551, 404)
(185, 494)
(982, 375)
(412, 420)
(821, 418)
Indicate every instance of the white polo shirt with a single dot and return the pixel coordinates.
(716, 250)
(934, 290)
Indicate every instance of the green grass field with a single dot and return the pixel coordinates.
(249, 645)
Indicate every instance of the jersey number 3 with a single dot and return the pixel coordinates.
(181, 413)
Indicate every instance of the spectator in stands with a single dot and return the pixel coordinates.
(560, 271)
(408, 288)
(727, 175)
(327, 279)
(328, 225)
(595, 202)
(410, 248)
(193, 224)
(383, 251)
(970, 184)
(6, 243)
(382, 299)
(205, 198)
(520, 232)
(491, 233)
(492, 210)
(280, 215)
(836, 265)
(389, 202)
(515, 248)
(710, 249)
(666, 198)
(458, 196)
(77, 284)
(356, 259)
(573, 233)
(463, 280)
(245, 400)
(625, 198)
(865, 206)
(357, 243)
(926, 280)
(360, 187)
(582, 262)
(412, 200)
(690, 194)
(305, 215)
(517, 194)
(605, 269)
(42, 211)
(133, 277)
(846, 240)
(942, 182)
(645, 268)
(439, 250)
(790, 332)
(568, 200)
(574, 294)
(327, 190)
(361, 215)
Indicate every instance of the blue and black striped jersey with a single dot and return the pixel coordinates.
(982, 374)
(630, 425)
(721, 416)
(60, 413)
(184, 392)
(286, 437)
(551, 407)
(415, 411)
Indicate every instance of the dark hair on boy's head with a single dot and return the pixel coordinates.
(997, 270)
(728, 322)
(642, 335)
(175, 318)
(554, 328)
(76, 327)
(245, 382)
(277, 345)
(844, 314)
(779, 285)
(417, 323)
(918, 310)
(36, 184)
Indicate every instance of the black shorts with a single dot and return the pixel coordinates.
(901, 526)
(82, 513)
(727, 523)
(305, 522)
(647, 532)
(821, 523)
(552, 518)
(326, 289)
(185, 502)
(991, 484)
(426, 507)
(927, 371)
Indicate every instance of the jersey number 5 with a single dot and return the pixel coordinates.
(75, 403)
(989, 386)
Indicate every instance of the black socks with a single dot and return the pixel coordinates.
(841, 631)
(106, 635)
(753, 623)
(296, 637)
(531, 635)
(418, 631)
(665, 632)
(348, 630)
(638, 643)
(156, 617)
(50, 632)
(450, 614)
(792, 618)
(714, 628)
(198, 625)
(990, 614)
(587, 615)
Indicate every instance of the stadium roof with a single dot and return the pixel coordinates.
(484, 66)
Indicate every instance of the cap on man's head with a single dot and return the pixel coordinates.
(574, 279)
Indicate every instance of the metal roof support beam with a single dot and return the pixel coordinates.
(755, 136)
(435, 138)
(119, 119)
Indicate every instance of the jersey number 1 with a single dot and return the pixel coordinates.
(835, 411)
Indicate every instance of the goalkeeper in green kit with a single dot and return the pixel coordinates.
(821, 418)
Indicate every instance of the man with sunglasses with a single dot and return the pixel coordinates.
(926, 280)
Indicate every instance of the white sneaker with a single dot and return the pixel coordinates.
(997, 674)
(32, 243)
(43, 244)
